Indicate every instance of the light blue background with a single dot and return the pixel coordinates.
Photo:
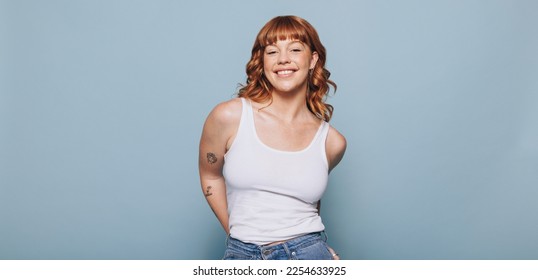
(102, 104)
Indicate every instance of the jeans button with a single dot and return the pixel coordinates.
(266, 252)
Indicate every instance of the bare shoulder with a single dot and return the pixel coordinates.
(336, 142)
(335, 147)
(226, 113)
(221, 126)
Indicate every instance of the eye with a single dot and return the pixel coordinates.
(270, 52)
(296, 50)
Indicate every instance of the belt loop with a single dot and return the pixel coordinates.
(289, 253)
(324, 234)
(227, 241)
(263, 252)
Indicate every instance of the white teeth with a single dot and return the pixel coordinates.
(284, 72)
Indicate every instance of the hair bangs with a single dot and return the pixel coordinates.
(283, 28)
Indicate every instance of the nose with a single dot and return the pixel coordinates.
(283, 58)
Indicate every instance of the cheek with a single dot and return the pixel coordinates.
(267, 61)
(311, 63)
(267, 67)
(302, 62)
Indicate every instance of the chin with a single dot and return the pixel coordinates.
(285, 90)
(288, 88)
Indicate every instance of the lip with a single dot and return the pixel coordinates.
(285, 72)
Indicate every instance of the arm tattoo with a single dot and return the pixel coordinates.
(208, 191)
(211, 158)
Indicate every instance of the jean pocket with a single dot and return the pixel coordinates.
(233, 254)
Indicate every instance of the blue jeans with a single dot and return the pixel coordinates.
(307, 247)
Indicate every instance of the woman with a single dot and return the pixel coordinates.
(266, 155)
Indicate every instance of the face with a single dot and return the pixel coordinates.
(286, 65)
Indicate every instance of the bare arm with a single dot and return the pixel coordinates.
(219, 128)
(335, 147)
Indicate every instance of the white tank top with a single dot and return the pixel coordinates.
(272, 195)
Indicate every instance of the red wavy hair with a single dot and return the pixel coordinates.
(259, 89)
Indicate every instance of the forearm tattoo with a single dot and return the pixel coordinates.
(208, 191)
(211, 158)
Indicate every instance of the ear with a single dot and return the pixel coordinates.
(314, 60)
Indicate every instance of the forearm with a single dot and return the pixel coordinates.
(215, 194)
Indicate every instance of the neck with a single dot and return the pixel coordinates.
(289, 106)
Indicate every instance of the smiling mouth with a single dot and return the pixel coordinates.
(284, 72)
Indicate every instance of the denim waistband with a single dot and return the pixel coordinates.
(291, 244)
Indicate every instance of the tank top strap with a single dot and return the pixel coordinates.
(321, 140)
(247, 117)
(247, 109)
(324, 131)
